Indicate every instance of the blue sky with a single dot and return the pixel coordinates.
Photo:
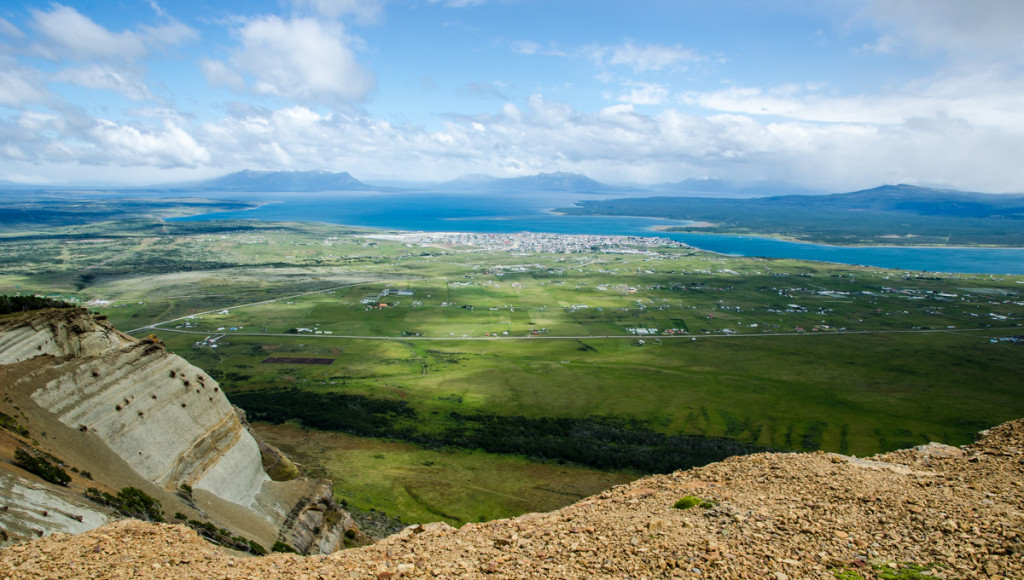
(834, 95)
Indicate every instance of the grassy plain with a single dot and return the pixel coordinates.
(421, 485)
(780, 353)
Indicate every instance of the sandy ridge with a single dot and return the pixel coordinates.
(776, 516)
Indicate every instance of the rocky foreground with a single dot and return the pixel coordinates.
(954, 512)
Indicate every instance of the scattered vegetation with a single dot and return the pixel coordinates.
(40, 464)
(12, 425)
(282, 547)
(688, 501)
(130, 502)
(222, 537)
(9, 304)
(886, 571)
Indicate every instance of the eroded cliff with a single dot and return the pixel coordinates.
(129, 411)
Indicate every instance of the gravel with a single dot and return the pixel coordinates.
(959, 512)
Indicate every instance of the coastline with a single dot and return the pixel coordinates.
(790, 239)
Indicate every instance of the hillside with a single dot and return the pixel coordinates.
(941, 511)
(273, 181)
(886, 215)
(119, 412)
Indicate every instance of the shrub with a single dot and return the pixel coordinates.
(41, 466)
(688, 501)
(222, 537)
(131, 502)
(11, 424)
(282, 547)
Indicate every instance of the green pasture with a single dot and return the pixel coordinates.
(772, 353)
(858, 394)
(422, 485)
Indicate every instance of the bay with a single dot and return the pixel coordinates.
(530, 212)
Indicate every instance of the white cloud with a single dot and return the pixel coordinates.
(10, 30)
(644, 94)
(218, 73)
(72, 35)
(650, 57)
(614, 143)
(485, 90)
(365, 11)
(172, 34)
(526, 47)
(981, 96)
(126, 145)
(972, 30)
(106, 77)
(458, 3)
(301, 59)
(20, 86)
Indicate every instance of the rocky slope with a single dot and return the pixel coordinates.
(132, 414)
(957, 512)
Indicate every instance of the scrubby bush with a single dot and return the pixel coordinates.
(222, 537)
(11, 424)
(131, 502)
(282, 547)
(41, 466)
(688, 501)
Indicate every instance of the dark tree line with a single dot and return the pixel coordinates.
(601, 442)
(9, 304)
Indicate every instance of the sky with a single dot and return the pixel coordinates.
(834, 95)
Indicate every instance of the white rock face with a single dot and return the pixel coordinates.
(59, 335)
(166, 419)
(31, 510)
(163, 416)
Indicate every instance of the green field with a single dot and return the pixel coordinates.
(771, 353)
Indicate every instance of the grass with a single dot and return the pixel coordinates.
(688, 501)
(421, 485)
(764, 360)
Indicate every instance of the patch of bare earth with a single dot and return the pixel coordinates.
(775, 516)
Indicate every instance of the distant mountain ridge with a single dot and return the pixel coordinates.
(917, 200)
(557, 181)
(249, 180)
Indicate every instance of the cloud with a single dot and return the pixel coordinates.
(169, 35)
(984, 96)
(458, 3)
(301, 59)
(613, 144)
(171, 146)
(644, 94)
(73, 36)
(106, 77)
(484, 90)
(364, 11)
(650, 57)
(971, 30)
(530, 47)
(218, 73)
(20, 86)
(10, 30)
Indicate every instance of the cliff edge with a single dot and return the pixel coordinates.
(129, 413)
(930, 512)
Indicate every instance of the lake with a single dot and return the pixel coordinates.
(530, 212)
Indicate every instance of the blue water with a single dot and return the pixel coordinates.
(439, 212)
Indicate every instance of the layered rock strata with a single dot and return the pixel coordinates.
(162, 419)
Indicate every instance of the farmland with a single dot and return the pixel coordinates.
(440, 342)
